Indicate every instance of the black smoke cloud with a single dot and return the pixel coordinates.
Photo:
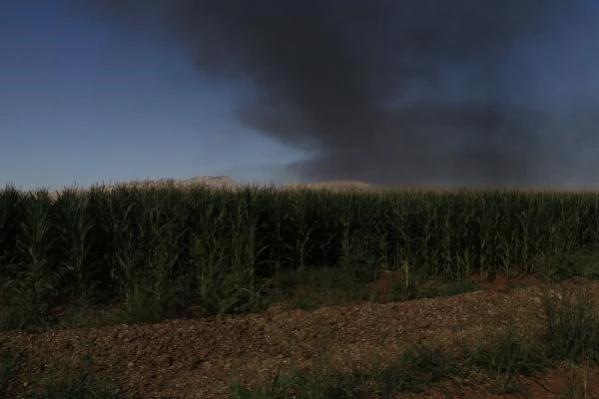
(388, 91)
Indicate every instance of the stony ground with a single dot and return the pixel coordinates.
(198, 358)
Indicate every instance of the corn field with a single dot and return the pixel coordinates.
(135, 242)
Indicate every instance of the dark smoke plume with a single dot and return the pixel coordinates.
(387, 91)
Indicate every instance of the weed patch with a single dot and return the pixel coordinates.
(571, 324)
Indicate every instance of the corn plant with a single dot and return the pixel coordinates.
(10, 216)
(35, 280)
(74, 227)
(136, 242)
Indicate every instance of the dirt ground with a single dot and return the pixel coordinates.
(198, 358)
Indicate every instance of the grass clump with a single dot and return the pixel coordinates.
(503, 357)
(507, 352)
(417, 368)
(571, 324)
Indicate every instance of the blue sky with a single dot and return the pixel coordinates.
(83, 102)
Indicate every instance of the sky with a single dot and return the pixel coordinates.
(83, 101)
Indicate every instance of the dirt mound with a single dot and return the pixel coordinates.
(196, 358)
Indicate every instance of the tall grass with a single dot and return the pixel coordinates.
(150, 246)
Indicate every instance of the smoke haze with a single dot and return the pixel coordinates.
(400, 92)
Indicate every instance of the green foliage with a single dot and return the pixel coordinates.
(417, 368)
(161, 248)
(581, 264)
(572, 325)
(507, 354)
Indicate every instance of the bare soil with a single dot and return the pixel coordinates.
(198, 358)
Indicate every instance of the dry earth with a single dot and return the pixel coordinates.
(197, 358)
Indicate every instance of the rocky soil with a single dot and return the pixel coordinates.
(198, 358)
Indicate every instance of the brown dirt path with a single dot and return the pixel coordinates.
(196, 358)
